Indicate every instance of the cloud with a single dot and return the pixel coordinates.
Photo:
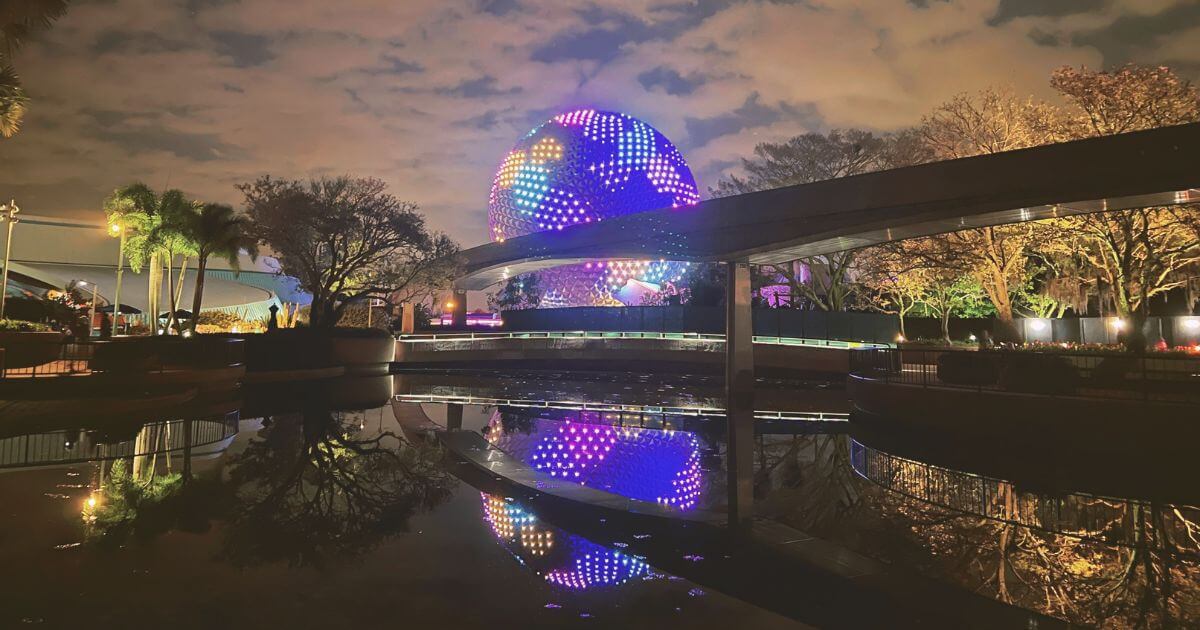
(429, 94)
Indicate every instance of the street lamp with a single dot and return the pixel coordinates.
(92, 313)
(117, 229)
(8, 212)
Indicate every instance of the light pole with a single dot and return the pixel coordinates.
(8, 212)
(92, 313)
(115, 229)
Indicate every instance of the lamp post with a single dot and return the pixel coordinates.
(8, 212)
(92, 313)
(118, 229)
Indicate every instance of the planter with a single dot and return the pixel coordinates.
(1039, 374)
(27, 349)
(968, 368)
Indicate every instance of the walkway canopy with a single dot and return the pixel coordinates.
(1134, 170)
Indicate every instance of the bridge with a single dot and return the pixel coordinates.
(1157, 167)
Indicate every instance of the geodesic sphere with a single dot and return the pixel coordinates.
(585, 166)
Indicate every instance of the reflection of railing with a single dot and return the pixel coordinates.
(585, 334)
(1113, 375)
(1089, 517)
(62, 447)
(693, 411)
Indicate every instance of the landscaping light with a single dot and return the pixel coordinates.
(971, 337)
(1118, 324)
(899, 338)
(91, 502)
(449, 304)
(114, 229)
(186, 333)
(1191, 323)
(1037, 325)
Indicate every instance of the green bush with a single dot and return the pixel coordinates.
(20, 325)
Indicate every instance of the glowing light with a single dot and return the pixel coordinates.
(1191, 323)
(899, 338)
(114, 229)
(562, 559)
(1037, 325)
(1118, 324)
(586, 166)
(645, 464)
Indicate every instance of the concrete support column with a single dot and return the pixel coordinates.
(454, 416)
(458, 313)
(408, 318)
(739, 394)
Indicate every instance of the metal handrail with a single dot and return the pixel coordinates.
(595, 334)
(569, 405)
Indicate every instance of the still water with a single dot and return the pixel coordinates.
(315, 508)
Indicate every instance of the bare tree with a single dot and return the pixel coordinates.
(825, 280)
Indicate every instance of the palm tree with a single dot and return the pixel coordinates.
(217, 231)
(158, 231)
(12, 101)
(18, 19)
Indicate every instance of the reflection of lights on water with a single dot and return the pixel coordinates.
(646, 464)
(575, 563)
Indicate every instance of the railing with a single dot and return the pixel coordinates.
(34, 359)
(1159, 377)
(1083, 516)
(66, 446)
(569, 405)
(588, 334)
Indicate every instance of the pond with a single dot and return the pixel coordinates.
(315, 507)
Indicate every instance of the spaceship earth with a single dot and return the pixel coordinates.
(585, 166)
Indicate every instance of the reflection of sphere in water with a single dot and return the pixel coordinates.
(582, 167)
(562, 559)
(646, 464)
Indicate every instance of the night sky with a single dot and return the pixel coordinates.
(429, 94)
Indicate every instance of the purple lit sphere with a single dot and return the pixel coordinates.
(582, 167)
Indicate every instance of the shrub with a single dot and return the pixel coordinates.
(20, 325)
(1039, 374)
(968, 368)
(218, 321)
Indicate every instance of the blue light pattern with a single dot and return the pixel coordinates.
(646, 464)
(562, 559)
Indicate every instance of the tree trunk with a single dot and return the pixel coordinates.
(171, 296)
(198, 293)
(946, 325)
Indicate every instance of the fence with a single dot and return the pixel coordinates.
(847, 326)
(1168, 377)
(1078, 515)
(35, 359)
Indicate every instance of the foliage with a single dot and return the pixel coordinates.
(355, 316)
(216, 230)
(346, 240)
(824, 281)
(220, 321)
(20, 325)
(124, 502)
(518, 293)
(18, 20)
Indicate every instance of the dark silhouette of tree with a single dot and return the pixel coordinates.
(346, 239)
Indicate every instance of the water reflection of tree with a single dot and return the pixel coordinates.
(313, 488)
(805, 479)
(1090, 560)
